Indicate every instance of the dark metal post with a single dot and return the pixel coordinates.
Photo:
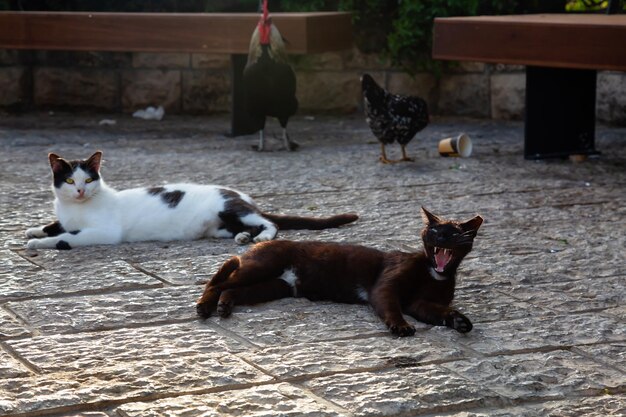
(560, 112)
(240, 121)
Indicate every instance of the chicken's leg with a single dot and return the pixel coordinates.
(404, 156)
(383, 155)
(289, 144)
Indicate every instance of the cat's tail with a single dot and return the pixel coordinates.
(286, 222)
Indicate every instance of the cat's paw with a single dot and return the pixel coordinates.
(35, 232)
(402, 330)
(36, 244)
(243, 238)
(263, 237)
(225, 308)
(203, 310)
(458, 322)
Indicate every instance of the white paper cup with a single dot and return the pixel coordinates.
(457, 146)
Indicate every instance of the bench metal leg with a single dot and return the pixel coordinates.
(560, 112)
(240, 123)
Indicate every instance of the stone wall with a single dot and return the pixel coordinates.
(200, 84)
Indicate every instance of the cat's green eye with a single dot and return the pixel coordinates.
(88, 180)
(69, 181)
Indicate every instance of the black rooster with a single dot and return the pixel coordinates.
(268, 80)
(392, 117)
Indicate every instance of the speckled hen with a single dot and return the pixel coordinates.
(392, 117)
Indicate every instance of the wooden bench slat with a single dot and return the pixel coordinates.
(167, 32)
(552, 40)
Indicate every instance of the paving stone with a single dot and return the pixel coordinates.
(540, 332)
(602, 406)
(317, 358)
(112, 330)
(11, 368)
(196, 270)
(263, 401)
(401, 391)
(574, 296)
(175, 347)
(611, 353)
(539, 375)
(10, 262)
(124, 370)
(297, 320)
(118, 309)
(65, 278)
(10, 326)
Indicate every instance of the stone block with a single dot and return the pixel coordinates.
(508, 93)
(565, 297)
(282, 399)
(611, 98)
(337, 92)
(614, 353)
(210, 61)
(328, 61)
(297, 320)
(537, 375)
(161, 60)
(465, 67)
(9, 325)
(507, 68)
(9, 367)
(143, 88)
(311, 359)
(94, 312)
(357, 60)
(401, 391)
(206, 92)
(610, 405)
(540, 332)
(196, 270)
(421, 85)
(123, 365)
(464, 95)
(14, 83)
(76, 88)
(74, 279)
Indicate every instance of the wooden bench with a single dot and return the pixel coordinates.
(561, 52)
(228, 33)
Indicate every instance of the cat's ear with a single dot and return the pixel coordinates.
(472, 224)
(93, 163)
(430, 218)
(58, 164)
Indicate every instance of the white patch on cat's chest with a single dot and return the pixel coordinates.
(437, 275)
(362, 294)
(290, 277)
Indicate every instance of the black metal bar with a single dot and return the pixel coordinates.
(560, 112)
(240, 123)
(613, 7)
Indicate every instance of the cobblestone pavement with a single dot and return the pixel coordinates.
(112, 331)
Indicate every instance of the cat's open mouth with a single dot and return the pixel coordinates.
(442, 257)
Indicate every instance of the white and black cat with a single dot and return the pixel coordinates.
(91, 213)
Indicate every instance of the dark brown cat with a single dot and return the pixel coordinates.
(418, 284)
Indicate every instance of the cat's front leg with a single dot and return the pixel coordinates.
(439, 315)
(85, 237)
(387, 305)
(52, 229)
